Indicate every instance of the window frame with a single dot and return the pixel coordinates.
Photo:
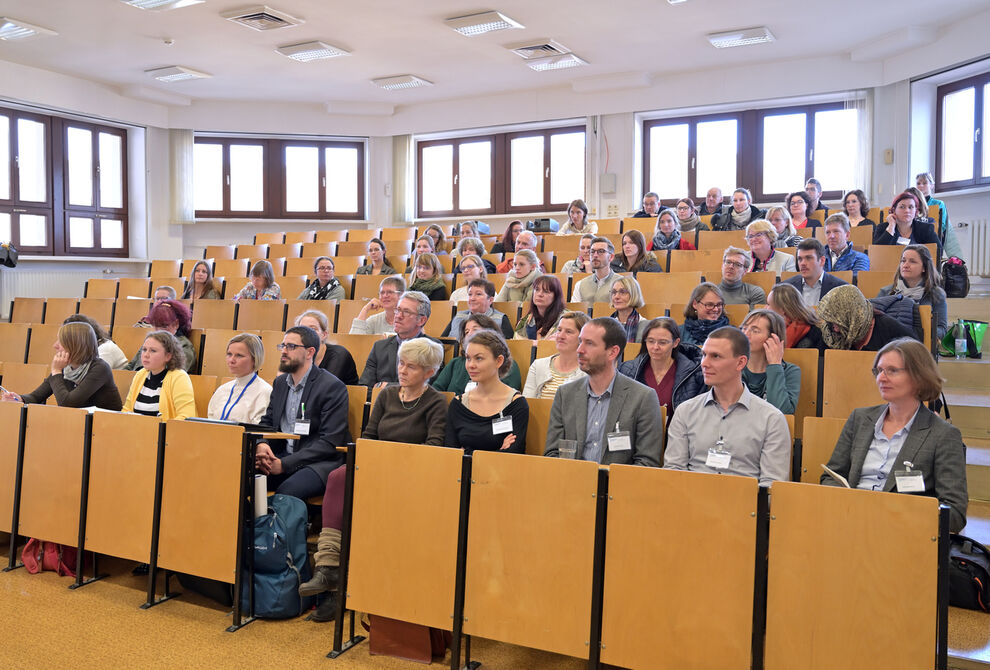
(455, 143)
(322, 212)
(225, 211)
(978, 82)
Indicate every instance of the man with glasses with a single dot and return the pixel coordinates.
(411, 315)
(310, 402)
(597, 287)
(735, 263)
(813, 281)
(651, 207)
(481, 295)
(728, 430)
(526, 240)
(381, 323)
(814, 190)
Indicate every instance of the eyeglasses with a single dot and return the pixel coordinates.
(712, 305)
(662, 343)
(683, 208)
(599, 252)
(289, 346)
(754, 237)
(324, 268)
(889, 372)
(383, 293)
(406, 313)
(735, 264)
(620, 291)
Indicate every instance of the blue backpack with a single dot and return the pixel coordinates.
(280, 560)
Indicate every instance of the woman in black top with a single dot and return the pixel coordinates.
(901, 226)
(508, 241)
(491, 416)
(428, 277)
(333, 358)
(79, 377)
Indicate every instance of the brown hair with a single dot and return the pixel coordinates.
(486, 322)
(788, 299)
(495, 343)
(264, 269)
(171, 346)
(664, 322)
(508, 243)
(931, 277)
(79, 341)
(864, 202)
(699, 292)
(101, 335)
(918, 363)
(775, 322)
(579, 318)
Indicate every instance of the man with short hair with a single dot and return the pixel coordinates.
(411, 315)
(583, 261)
(611, 417)
(312, 403)
(840, 254)
(651, 207)
(712, 203)
(598, 286)
(728, 430)
(481, 295)
(814, 190)
(525, 240)
(371, 322)
(735, 264)
(813, 281)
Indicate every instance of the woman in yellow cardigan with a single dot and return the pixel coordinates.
(162, 388)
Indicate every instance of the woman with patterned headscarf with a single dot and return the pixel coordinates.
(850, 322)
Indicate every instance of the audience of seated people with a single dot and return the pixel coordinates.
(688, 216)
(325, 286)
(767, 375)
(469, 268)
(548, 374)
(634, 256)
(577, 220)
(713, 202)
(546, 304)
(761, 237)
(525, 240)
(814, 190)
(651, 207)
(439, 239)
(597, 286)
(583, 261)
(427, 277)
(703, 313)
(735, 264)
(508, 242)
(799, 207)
(480, 298)
(917, 278)
(262, 285)
(902, 225)
(667, 235)
(245, 398)
(454, 376)
(626, 297)
(856, 207)
(469, 246)
(802, 323)
(782, 222)
(411, 315)
(742, 212)
(174, 317)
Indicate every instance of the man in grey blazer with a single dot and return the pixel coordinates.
(613, 419)
(411, 314)
(932, 446)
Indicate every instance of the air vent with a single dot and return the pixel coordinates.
(539, 49)
(261, 17)
(741, 38)
(479, 24)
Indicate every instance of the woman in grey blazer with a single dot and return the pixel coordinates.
(877, 442)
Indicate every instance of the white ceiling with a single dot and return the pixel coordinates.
(112, 43)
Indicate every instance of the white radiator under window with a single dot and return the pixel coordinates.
(979, 235)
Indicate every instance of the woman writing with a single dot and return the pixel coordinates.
(470, 268)
(78, 376)
(107, 348)
(454, 376)
(246, 397)
(667, 235)
(548, 374)
(901, 226)
(325, 286)
(667, 366)
(704, 313)
(518, 285)
(492, 416)
(761, 236)
(333, 358)
(162, 388)
(262, 285)
(200, 285)
(378, 263)
(917, 278)
(624, 297)
(801, 322)
(174, 317)
(634, 256)
(901, 445)
(545, 307)
(767, 374)
(409, 412)
(371, 321)
(577, 220)
(428, 277)
(857, 208)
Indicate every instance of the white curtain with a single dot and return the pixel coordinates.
(181, 168)
(862, 102)
(403, 179)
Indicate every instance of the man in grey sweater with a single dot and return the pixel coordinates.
(735, 263)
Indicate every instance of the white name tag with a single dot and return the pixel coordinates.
(619, 441)
(301, 428)
(718, 460)
(502, 424)
(911, 482)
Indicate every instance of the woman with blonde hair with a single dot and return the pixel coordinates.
(761, 236)
(802, 324)
(518, 285)
(162, 387)
(781, 221)
(200, 285)
(78, 376)
(548, 374)
(245, 398)
(435, 232)
(428, 277)
(625, 297)
(470, 268)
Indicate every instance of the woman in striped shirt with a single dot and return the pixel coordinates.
(546, 375)
(162, 388)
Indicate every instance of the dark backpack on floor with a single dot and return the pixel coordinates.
(955, 278)
(969, 574)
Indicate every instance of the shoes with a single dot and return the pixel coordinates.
(324, 579)
(327, 610)
(140, 570)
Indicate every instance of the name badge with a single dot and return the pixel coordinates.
(502, 424)
(619, 441)
(301, 428)
(718, 460)
(911, 481)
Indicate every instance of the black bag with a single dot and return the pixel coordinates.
(8, 255)
(969, 574)
(955, 278)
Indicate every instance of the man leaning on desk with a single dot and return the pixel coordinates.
(310, 402)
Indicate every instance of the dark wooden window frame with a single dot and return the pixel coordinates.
(977, 82)
(497, 188)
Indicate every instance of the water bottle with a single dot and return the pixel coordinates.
(960, 345)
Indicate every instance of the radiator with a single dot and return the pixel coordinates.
(43, 282)
(979, 238)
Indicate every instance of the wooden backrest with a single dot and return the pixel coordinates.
(403, 234)
(765, 280)
(165, 268)
(203, 388)
(214, 358)
(285, 250)
(232, 269)
(213, 314)
(359, 248)
(122, 379)
(441, 313)
(130, 339)
(346, 265)
(127, 312)
(314, 250)
(219, 251)
(138, 287)
(292, 286)
(565, 246)
(645, 224)
(736, 314)
(11, 418)
(251, 251)
(102, 288)
(366, 286)
(23, 377)
(607, 227)
(28, 310)
(849, 382)
(357, 396)
(98, 309)
(861, 236)
(668, 287)
(522, 353)
(297, 236)
(807, 405)
(359, 346)
(361, 234)
(708, 262)
(871, 281)
(178, 284)
(330, 235)
(347, 311)
(719, 240)
(269, 238)
(13, 342)
(887, 257)
(817, 444)
(260, 315)
(56, 309)
(539, 424)
(41, 341)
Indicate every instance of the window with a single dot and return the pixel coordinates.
(529, 171)
(962, 116)
(252, 178)
(770, 151)
(63, 185)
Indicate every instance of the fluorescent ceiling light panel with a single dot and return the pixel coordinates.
(555, 62)
(479, 24)
(401, 82)
(176, 73)
(161, 5)
(741, 38)
(15, 29)
(307, 51)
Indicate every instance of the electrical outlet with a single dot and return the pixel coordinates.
(612, 209)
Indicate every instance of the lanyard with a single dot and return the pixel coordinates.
(225, 414)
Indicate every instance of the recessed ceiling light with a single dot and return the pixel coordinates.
(479, 24)
(401, 82)
(307, 51)
(161, 5)
(176, 73)
(555, 62)
(15, 29)
(741, 38)
(676, 2)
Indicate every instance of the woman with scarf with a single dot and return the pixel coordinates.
(802, 329)
(687, 216)
(670, 368)
(761, 237)
(429, 277)
(325, 286)
(624, 297)
(780, 219)
(634, 256)
(545, 307)
(518, 285)
(667, 235)
(851, 323)
(740, 214)
(79, 377)
(917, 278)
(704, 313)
